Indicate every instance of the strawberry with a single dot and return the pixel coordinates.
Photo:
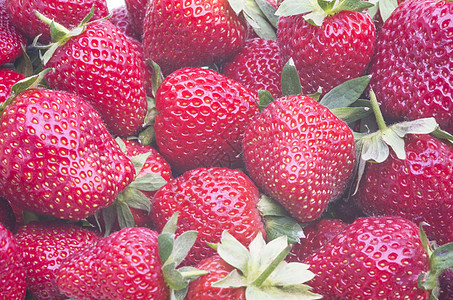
(11, 40)
(372, 258)
(181, 33)
(300, 154)
(12, 277)
(209, 200)
(7, 79)
(68, 14)
(7, 217)
(137, 11)
(201, 119)
(44, 246)
(446, 285)
(257, 66)
(329, 45)
(121, 19)
(57, 156)
(101, 65)
(411, 67)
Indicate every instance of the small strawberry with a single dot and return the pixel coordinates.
(44, 246)
(7, 79)
(7, 216)
(12, 277)
(11, 40)
(121, 19)
(201, 119)
(300, 154)
(209, 200)
(257, 66)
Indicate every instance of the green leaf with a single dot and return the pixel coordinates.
(443, 135)
(125, 217)
(109, 217)
(268, 11)
(166, 242)
(374, 148)
(424, 238)
(419, 126)
(386, 8)
(237, 5)
(173, 278)
(351, 5)
(135, 198)
(182, 246)
(261, 27)
(269, 207)
(147, 136)
(290, 79)
(233, 252)
(158, 77)
(232, 280)
(121, 143)
(280, 226)
(351, 114)
(293, 292)
(149, 182)
(296, 7)
(265, 98)
(179, 294)
(392, 139)
(172, 224)
(139, 161)
(290, 274)
(346, 93)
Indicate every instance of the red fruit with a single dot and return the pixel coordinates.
(12, 277)
(257, 66)
(121, 19)
(102, 66)
(209, 200)
(300, 154)
(201, 119)
(317, 234)
(411, 67)
(418, 188)
(146, 69)
(124, 265)
(11, 40)
(57, 156)
(67, 13)
(190, 33)
(446, 285)
(327, 55)
(372, 258)
(137, 11)
(44, 246)
(7, 79)
(201, 289)
(7, 217)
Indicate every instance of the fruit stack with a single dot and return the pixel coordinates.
(203, 149)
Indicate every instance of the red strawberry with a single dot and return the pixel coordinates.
(137, 11)
(209, 200)
(102, 66)
(7, 79)
(300, 154)
(181, 33)
(11, 40)
(337, 49)
(124, 265)
(372, 258)
(446, 285)
(257, 66)
(68, 14)
(411, 67)
(57, 156)
(121, 19)
(146, 69)
(201, 119)
(7, 217)
(12, 277)
(44, 246)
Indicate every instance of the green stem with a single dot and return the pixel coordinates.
(194, 273)
(377, 111)
(49, 21)
(265, 274)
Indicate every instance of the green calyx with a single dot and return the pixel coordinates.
(262, 271)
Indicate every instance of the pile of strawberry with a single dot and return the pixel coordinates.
(174, 149)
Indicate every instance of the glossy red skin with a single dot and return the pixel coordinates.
(411, 68)
(209, 200)
(11, 40)
(7, 79)
(181, 33)
(57, 156)
(201, 289)
(121, 19)
(372, 258)
(446, 285)
(418, 188)
(44, 246)
(102, 66)
(317, 234)
(300, 154)
(124, 265)
(68, 13)
(257, 66)
(12, 277)
(328, 55)
(7, 216)
(146, 69)
(202, 116)
(137, 12)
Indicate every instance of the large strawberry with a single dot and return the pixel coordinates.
(12, 277)
(412, 63)
(58, 157)
(68, 13)
(329, 41)
(201, 119)
(300, 154)
(7, 79)
(210, 200)
(11, 40)
(44, 246)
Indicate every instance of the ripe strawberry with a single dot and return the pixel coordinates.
(181, 34)
(146, 69)
(257, 66)
(137, 11)
(372, 258)
(12, 277)
(11, 40)
(121, 19)
(300, 154)
(102, 66)
(337, 49)
(201, 119)
(446, 285)
(44, 246)
(7, 217)
(68, 14)
(411, 67)
(57, 156)
(209, 200)
(7, 79)
(124, 265)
